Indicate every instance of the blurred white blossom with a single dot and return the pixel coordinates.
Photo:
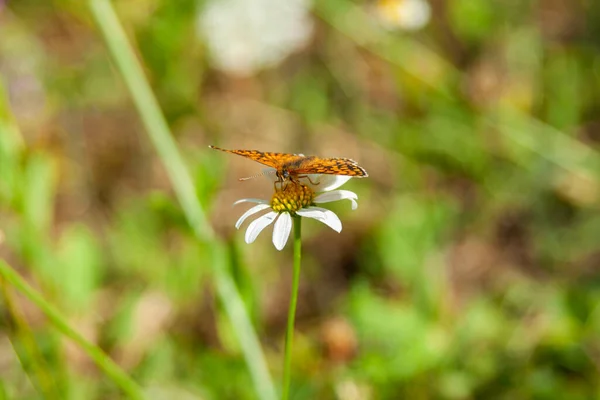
(244, 36)
(410, 15)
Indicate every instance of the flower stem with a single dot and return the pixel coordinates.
(287, 366)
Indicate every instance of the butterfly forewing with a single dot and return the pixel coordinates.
(274, 160)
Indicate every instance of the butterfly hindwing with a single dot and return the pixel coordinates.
(329, 166)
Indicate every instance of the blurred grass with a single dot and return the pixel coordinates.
(441, 77)
(36, 216)
(158, 131)
(59, 321)
(26, 348)
(470, 269)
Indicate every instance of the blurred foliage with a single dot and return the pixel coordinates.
(470, 269)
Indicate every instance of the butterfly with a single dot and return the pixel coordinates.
(294, 166)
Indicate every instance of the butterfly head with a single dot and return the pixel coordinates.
(283, 174)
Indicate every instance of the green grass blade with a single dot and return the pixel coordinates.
(103, 361)
(30, 356)
(157, 128)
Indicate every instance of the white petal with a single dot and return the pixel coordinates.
(323, 183)
(281, 230)
(253, 210)
(336, 195)
(258, 225)
(324, 215)
(259, 201)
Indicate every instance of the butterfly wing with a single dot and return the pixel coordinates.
(329, 166)
(274, 160)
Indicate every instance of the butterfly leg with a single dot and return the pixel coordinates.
(279, 186)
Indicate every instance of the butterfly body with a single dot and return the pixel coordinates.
(294, 166)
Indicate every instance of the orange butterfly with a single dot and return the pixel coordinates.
(294, 166)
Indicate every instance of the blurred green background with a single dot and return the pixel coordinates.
(470, 270)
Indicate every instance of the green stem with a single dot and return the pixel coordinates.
(60, 322)
(157, 128)
(289, 334)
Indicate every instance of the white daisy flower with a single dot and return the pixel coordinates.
(245, 36)
(410, 15)
(297, 199)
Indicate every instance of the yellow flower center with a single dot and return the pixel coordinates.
(292, 197)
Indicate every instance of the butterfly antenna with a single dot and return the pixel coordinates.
(257, 175)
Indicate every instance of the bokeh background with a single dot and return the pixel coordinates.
(470, 269)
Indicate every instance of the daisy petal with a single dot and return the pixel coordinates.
(335, 183)
(281, 230)
(324, 215)
(253, 210)
(323, 182)
(258, 201)
(258, 225)
(337, 195)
